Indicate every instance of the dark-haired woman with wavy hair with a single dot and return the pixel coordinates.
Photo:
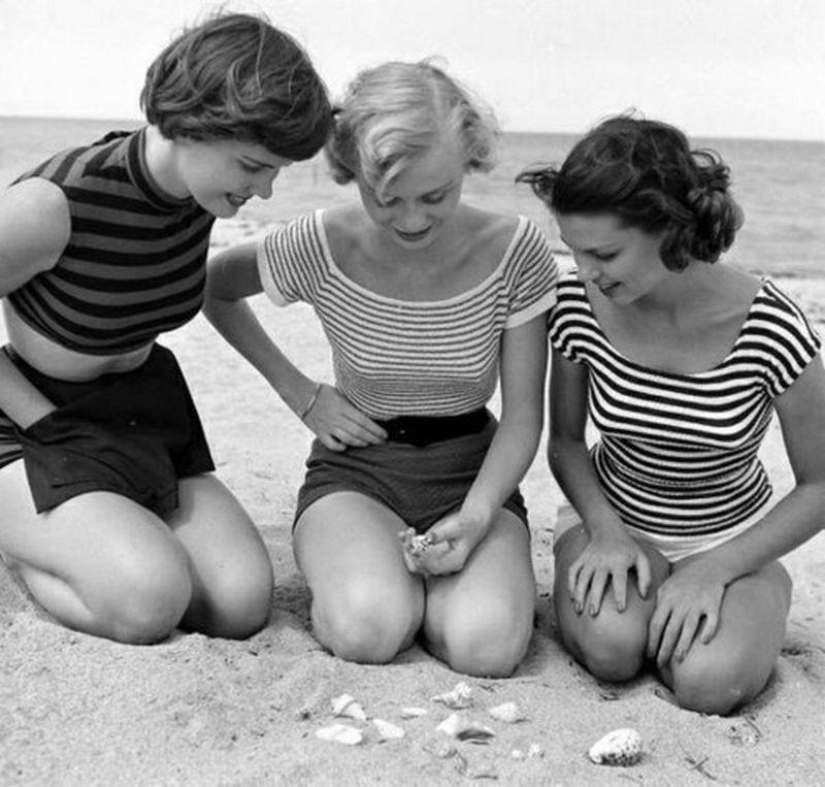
(111, 516)
(670, 550)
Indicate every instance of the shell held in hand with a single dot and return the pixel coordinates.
(620, 747)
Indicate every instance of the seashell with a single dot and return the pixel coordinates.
(457, 699)
(412, 713)
(535, 751)
(619, 747)
(450, 725)
(462, 729)
(419, 551)
(347, 706)
(340, 733)
(387, 731)
(508, 712)
(419, 544)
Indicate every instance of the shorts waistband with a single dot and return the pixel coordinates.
(421, 430)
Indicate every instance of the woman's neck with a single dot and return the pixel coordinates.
(161, 161)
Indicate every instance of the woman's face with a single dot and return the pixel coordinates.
(623, 262)
(222, 175)
(421, 199)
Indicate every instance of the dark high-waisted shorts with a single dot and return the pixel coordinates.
(420, 483)
(133, 433)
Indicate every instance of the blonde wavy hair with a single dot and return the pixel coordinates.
(393, 113)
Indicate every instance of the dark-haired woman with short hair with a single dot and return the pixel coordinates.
(111, 516)
(671, 551)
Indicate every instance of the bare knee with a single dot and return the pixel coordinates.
(616, 657)
(366, 626)
(611, 646)
(486, 644)
(718, 678)
(734, 667)
(237, 605)
(706, 686)
(245, 606)
(146, 602)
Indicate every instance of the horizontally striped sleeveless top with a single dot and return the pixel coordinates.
(678, 452)
(394, 357)
(134, 264)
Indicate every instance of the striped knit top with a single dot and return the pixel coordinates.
(678, 452)
(393, 357)
(134, 265)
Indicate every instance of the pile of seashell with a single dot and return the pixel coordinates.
(621, 747)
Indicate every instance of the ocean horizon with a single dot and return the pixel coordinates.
(778, 183)
(114, 122)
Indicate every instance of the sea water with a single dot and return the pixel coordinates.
(779, 184)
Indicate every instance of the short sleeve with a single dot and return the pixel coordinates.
(781, 335)
(291, 260)
(535, 274)
(572, 329)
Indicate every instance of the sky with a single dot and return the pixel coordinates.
(718, 68)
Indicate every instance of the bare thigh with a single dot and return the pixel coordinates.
(612, 643)
(735, 665)
(98, 562)
(231, 569)
(348, 548)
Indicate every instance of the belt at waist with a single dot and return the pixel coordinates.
(421, 430)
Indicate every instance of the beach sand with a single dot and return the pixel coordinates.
(78, 710)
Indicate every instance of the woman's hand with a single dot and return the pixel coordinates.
(607, 559)
(338, 424)
(687, 603)
(445, 547)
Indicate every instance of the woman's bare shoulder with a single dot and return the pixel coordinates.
(491, 223)
(345, 227)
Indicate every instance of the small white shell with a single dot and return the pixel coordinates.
(533, 752)
(347, 706)
(419, 544)
(387, 731)
(412, 713)
(457, 699)
(420, 552)
(456, 726)
(508, 712)
(340, 733)
(619, 747)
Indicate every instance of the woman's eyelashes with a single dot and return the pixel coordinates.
(428, 199)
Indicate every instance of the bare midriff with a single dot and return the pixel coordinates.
(54, 360)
